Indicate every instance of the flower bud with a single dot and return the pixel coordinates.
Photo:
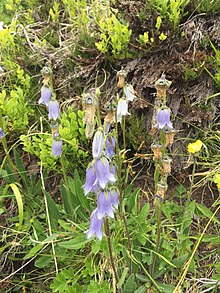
(121, 78)
(98, 144)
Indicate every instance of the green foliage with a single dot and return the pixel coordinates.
(171, 10)
(71, 129)
(115, 37)
(207, 6)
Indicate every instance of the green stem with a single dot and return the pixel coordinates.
(158, 215)
(107, 231)
(193, 175)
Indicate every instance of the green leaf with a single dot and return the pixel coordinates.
(18, 197)
(53, 211)
(206, 212)
(43, 261)
(33, 251)
(76, 243)
(144, 212)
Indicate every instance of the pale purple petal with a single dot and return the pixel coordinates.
(90, 180)
(1, 133)
(110, 147)
(163, 119)
(54, 112)
(104, 206)
(103, 174)
(57, 148)
(95, 226)
(114, 198)
(98, 144)
(45, 95)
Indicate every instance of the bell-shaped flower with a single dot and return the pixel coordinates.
(110, 146)
(1, 133)
(103, 174)
(104, 205)
(90, 180)
(129, 92)
(122, 109)
(54, 111)
(114, 198)
(163, 119)
(98, 144)
(95, 226)
(57, 148)
(45, 95)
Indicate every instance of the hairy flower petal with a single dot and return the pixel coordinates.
(54, 111)
(163, 119)
(95, 226)
(57, 148)
(104, 205)
(98, 144)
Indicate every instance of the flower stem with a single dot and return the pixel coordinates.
(107, 231)
(193, 175)
(158, 215)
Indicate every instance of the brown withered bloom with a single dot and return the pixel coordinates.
(157, 150)
(169, 137)
(166, 163)
(161, 85)
(121, 78)
(161, 189)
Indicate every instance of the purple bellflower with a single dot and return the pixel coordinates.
(103, 174)
(98, 144)
(104, 205)
(90, 179)
(45, 95)
(98, 174)
(114, 198)
(95, 226)
(1, 133)
(110, 146)
(54, 112)
(57, 148)
(163, 119)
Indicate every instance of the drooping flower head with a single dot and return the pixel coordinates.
(57, 148)
(114, 198)
(163, 119)
(1, 133)
(110, 146)
(45, 95)
(54, 111)
(90, 179)
(195, 147)
(98, 144)
(129, 92)
(122, 109)
(104, 205)
(103, 174)
(95, 226)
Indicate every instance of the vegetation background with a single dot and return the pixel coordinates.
(43, 210)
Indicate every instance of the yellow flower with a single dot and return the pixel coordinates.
(195, 147)
(216, 179)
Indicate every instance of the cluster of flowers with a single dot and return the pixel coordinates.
(100, 178)
(101, 172)
(162, 126)
(52, 105)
